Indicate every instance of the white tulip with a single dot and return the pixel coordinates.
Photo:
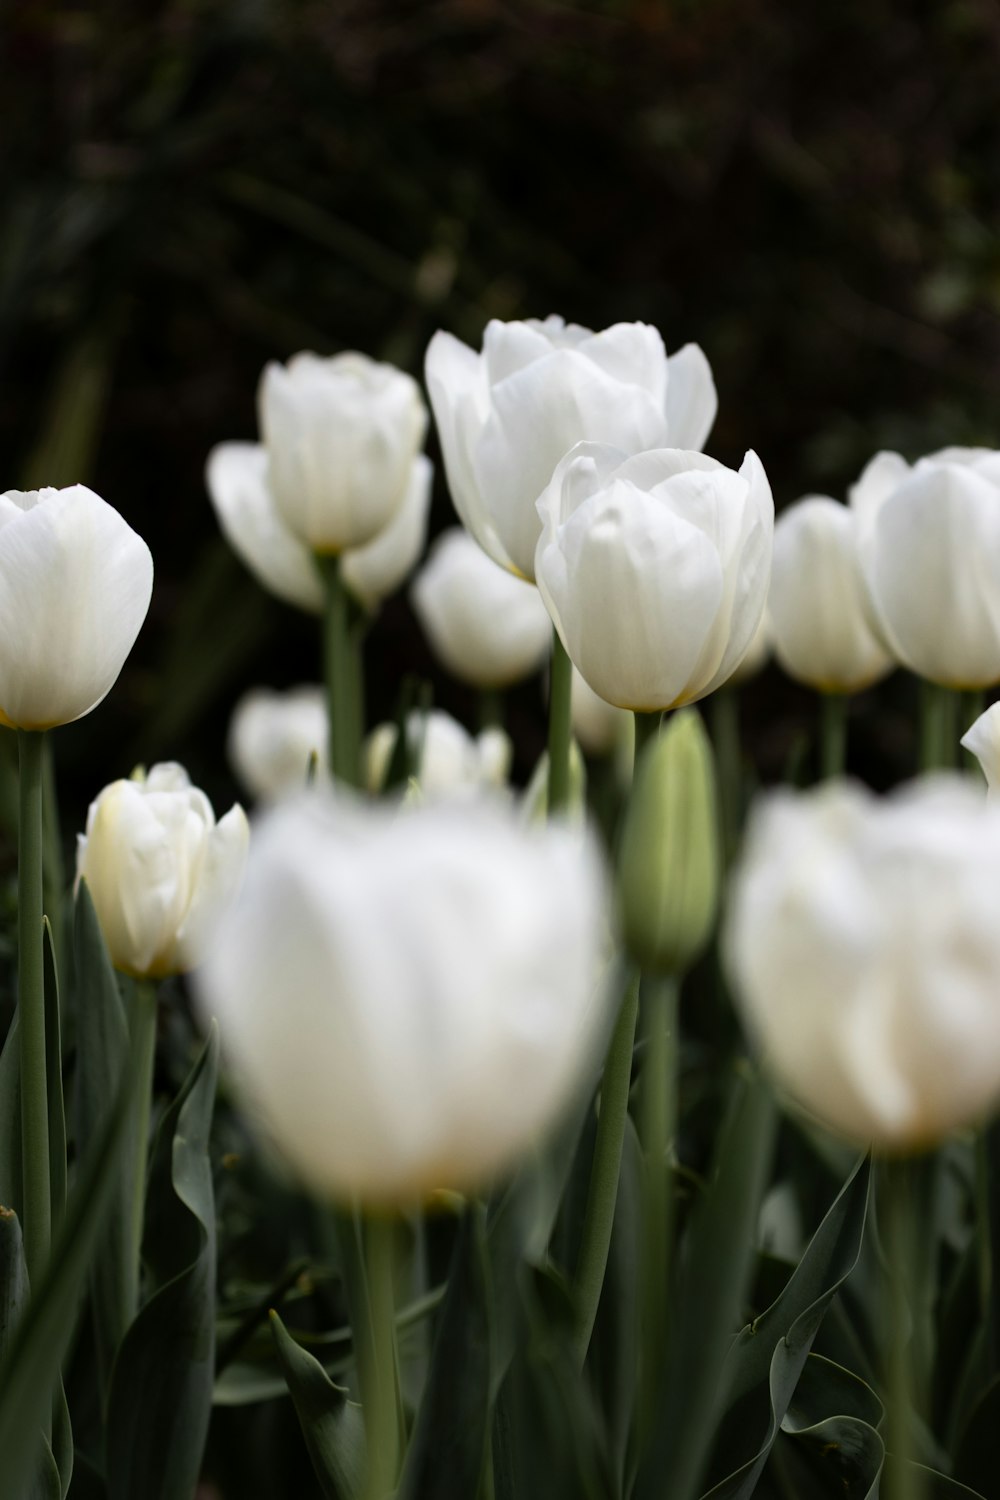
(449, 761)
(925, 540)
(864, 945)
(817, 604)
(409, 999)
(273, 738)
(488, 628)
(375, 571)
(236, 476)
(75, 585)
(341, 435)
(655, 569)
(982, 739)
(506, 416)
(160, 870)
(599, 726)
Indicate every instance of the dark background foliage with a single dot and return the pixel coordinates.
(192, 188)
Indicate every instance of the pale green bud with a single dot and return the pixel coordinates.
(669, 864)
(535, 798)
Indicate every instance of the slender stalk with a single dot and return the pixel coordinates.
(53, 864)
(381, 1398)
(357, 630)
(903, 1361)
(560, 726)
(603, 1192)
(142, 1026)
(491, 708)
(724, 708)
(938, 728)
(833, 734)
(658, 1116)
(647, 727)
(37, 1226)
(341, 676)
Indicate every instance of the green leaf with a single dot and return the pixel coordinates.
(446, 1452)
(10, 1122)
(161, 1387)
(615, 1348)
(332, 1426)
(13, 1279)
(976, 1456)
(53, 1074)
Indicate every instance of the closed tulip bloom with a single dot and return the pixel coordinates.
(487, 628)
(275, 737)
(864, 946)
(506, 416)
(817, 605)
(375, 571)
(160, 870)
(446, 759)
(655, 569)
(982, 740)
(341, 435)
(926, 536)
(75, 585)
(409, 998)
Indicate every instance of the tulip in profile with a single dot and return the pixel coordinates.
(409, 998)
(160, 870)
(864, 946)
(274, 738)
(982, 739)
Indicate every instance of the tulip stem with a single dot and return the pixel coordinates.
(725, 711)
(833, 735)
(491, 708)
(142, 1030)
(647, 727)
(938, 730)
(340, 649)
(900, 1229)
(560, 688)
(382, 1408)
(37, 1218)
(658, 1117)
(599, 1217)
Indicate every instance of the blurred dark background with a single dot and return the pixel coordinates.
(193, 188)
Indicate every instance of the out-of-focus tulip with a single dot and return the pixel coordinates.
(75, 585)
(599, 726)
(982, 739)
(375, 571)
(506, 416)
(447, 760)
(534, 800)
(925, 537)
(757, 653)
(274, 737)
(817, 604)
(409, 998)
(864, 945)
(655, 569)
(488, 628)
(160, 870)
(669, 857)
(341, 435)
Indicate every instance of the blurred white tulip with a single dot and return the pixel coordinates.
(341, 435)
(506, 416)
(375, 571)
(409, 998)
(75, 585)
(982, 739)
(273, 738)
(864, 945)
(817, 604)
(160, 870)
(654, 569)
(448, 760)
(600, 727)
(757, 655)
(488, 628)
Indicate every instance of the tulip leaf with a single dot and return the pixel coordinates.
(615, 1347)
(53, 1073)
(332, 1426)
(161, 1388)
(976, 1456)
(10, 1122)
(102, 1052)
(448, 1445)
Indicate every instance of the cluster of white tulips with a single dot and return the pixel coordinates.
(420, 972)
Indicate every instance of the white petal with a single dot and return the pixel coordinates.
(691, 398)
(375, 571)
(219, 879)
(236, 476)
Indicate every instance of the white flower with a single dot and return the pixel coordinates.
(375, 571)
(817, 603)
(409, 999)
(926, 543)
(341, 435)
(757, 653)
(274, 736)
(488, 628)
(982, 739)
(864, 945)
(506, 417)
(654, 569)
(160, 870)
(448, 760)
(75, 585)
(236, 476)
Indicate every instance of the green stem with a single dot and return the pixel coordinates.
(341, 676)
(833, 734)
(658, 1116)
(725, 715)
(37, 1225)
(142, 1028)
(560, 726)
(491, 708)
(599, 1217)
(938, 728)
(381, 1398)
(903, 1360)
(647, 727)
(53, 864)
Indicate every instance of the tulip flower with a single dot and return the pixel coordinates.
(376, 570)
(506, 416)
(864, 947)
(409, 998)
(446, 759)
(817, 605)
(160, 870)
(341, 435)
(982, 739)
(924, 534)
(75, 585)
(757, 652)
(275, 737)
(488, 628)
(654, 569)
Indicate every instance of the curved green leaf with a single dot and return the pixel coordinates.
(10, 1122)
(332, 1426)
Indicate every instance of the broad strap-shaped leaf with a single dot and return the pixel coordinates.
(54, 1080)
(333, 1426)
(161, 1387)
(10, 1122)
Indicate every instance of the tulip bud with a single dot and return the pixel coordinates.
(445, 759)
(669, 860)
(275, 737)
(982, 739)
(535, 797)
